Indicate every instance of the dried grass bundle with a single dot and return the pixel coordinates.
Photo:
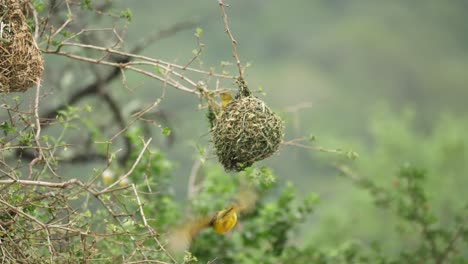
(246, 131)
(21, 62)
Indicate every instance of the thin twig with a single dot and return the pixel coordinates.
(192, 188)
(153, 232)
(42, 225)
(172, 83)
(116, 111)
(145, 146)
(36, 22)
(137, 117)
(59, 185)
(231, 37)
(37, 135)
(296, 143)
(62, 27)
(137, 56)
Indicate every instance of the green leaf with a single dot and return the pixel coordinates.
(38, 5)
(86, 4)
(55, 42)
(126, 14)
(166, 131)
(198, 32)
(159, 70)
(26, 139)
(88, 108)
(312, 137)
(7, 128)
(352, 155)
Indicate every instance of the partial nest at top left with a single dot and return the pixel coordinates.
(21, 63)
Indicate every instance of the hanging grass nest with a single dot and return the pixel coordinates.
(21, 62)
(246, 131)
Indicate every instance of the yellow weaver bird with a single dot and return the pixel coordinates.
(226, 98)
(181, 236)
(224, 220)
(221, 222)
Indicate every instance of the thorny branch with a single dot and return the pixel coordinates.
(109, 188)
(98, 88)
(145, 222)
(52, 229)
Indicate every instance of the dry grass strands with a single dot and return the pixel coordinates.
(245, 132)
(21, 62)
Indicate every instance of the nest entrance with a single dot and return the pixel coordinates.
(245, 132)
(21, 62)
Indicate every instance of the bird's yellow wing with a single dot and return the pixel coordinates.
(245, 199)
(181, 236)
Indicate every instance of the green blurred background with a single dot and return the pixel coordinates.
(385, 78)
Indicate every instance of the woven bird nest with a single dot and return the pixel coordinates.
(246, 131)
(21, 62)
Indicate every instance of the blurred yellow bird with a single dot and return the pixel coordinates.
(221, 222)
(224, 220)
(226, 98)
(181, 237)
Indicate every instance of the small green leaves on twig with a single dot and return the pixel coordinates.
(166, 131)
(126, 14)
(198, 32)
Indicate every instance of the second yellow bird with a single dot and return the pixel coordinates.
(226, 98)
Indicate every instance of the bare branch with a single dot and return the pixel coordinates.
(148, 227)
(222, 6)
(37, 135)
(109, 188)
